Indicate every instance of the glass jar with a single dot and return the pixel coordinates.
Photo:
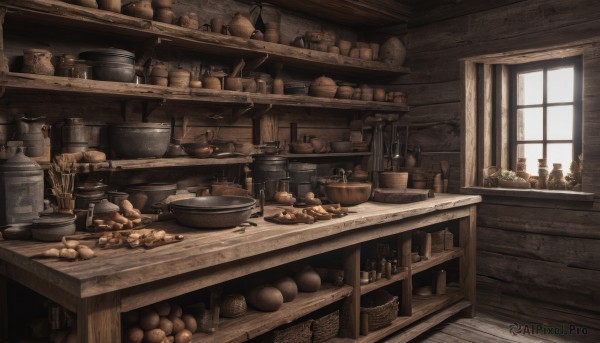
(542, 174)
(522, 168)
(556, 179)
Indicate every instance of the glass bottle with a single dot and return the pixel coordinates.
(556, 179)
(542, 174)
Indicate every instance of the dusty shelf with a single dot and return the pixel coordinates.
(60, 14)
(421, 307)
(255, 323)
(42, 83)
(436, 259)
(328, 154)
(364, 289)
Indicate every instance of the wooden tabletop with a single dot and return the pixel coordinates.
(116, 269)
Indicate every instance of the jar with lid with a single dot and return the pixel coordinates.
(66, 66)
(542, 174)
(556, 179)
(21, 189)
(37, 61)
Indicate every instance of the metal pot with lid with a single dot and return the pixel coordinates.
(21, 189)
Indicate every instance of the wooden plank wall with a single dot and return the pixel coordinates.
(536, 259)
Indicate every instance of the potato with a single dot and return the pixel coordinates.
(154, 336)
(163, 308)
(184, 336)
(166, 325)
(178, 324)
(134, 335)
(149, 320)
(190, 322)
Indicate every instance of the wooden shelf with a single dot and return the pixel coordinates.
(422, 307)
(255, 323)
(364, 289)
(43, 83)
(436, 259)
(60, 14)
(118, 165)
(328, 154)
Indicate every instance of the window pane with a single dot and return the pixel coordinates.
(560, 153)
(530, 124)
(530, 88)
(531, 152)
(560, 85)
(560, 122)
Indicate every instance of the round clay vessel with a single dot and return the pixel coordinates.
(308, 280)
(345, 47)
(365, 53)
(393, 52)
(211, 82)
(160, 70)
(189, 21)
(366, 93)
(234, 84)
(288, 288)
(378, 94)
(344, 92)
(265, 298)
(159, 81)
(164, 15)
(324, 87)
(179, 78)
(354, 53)
(241, 26)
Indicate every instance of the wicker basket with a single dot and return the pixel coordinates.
(326, 327)
(381, 308)
(297, 333)
(233, 306)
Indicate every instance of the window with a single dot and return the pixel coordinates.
(546, 112)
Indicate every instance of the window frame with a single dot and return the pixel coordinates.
(545, 65)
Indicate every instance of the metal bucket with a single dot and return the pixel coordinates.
(73, 133)
(304, 178)
(268, 169)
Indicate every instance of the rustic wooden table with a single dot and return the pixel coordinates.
(119, 280)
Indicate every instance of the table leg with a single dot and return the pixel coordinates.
(468, 239)
(99, 319)
(3, 310)
(404, 244)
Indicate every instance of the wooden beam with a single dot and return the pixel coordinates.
(468, 241)
(468, 90)
(352, 278)
(102, 312)
(501, 117)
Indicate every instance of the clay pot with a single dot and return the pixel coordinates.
(366, 93)
(179, 78)
(375, 48)
(271, 32)
(323, 87)
(257, 35)
(357, 94)
(189, 21)
(140, 9)
(195, 84)
(344, 92)
(333, 49)
(399, 98)
(159, 81)
(365, 53)
(211, 82)
(240, 26)
(216, 24)
(379, 94)
(318, 144)
(354, 53)
(345, 47)
(277, 86)
(37, 61)
(234, 84)
(164, 15)
(393, 52)
(160, 70)
(110, 5)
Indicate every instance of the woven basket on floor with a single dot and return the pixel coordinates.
(381, 308)
(297, 333)
(326, 327)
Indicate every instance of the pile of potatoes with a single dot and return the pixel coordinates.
(162, 322)
(116, 221)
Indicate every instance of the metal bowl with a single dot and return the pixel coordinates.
(113, 71)
(218, 203)
(214, 212)
(139, 140)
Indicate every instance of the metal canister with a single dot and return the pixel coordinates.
(304, 178)
(269, 169)
(21, 189)
(73, 135)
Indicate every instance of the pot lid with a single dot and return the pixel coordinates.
(54, 219)
(107, 52)
(348, 185)
(105, 207)
(214, 202)
(19, 162)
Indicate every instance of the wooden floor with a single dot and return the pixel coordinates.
(490, 327)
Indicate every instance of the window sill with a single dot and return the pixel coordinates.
(530, 193)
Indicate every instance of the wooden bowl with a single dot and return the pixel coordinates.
(301, 148)
(348, 193)
(395, 180)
